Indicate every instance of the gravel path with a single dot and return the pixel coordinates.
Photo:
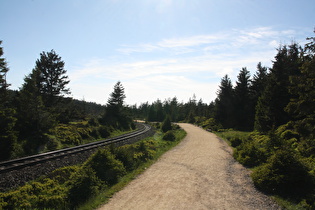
(199, 173)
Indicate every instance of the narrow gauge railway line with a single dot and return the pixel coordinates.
(19, 163)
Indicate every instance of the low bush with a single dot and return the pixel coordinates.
(210, 124)
(145, 150)
(235, 141)
(53, 143)
(67, 134)
(169, 136)
(63, 175)
(106, 167)
(104, 131)
(44, 194)
(175, 127)
(93, 122)
(95, 133)
(284, 174)
(83, 185)
(250, 154)
(126, 154)
(250, 149)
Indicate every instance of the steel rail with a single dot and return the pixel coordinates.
(16, 164)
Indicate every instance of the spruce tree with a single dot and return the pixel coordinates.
(302, 87)
(259, 82)
(152, 114)
(166, 125)
(34, 120)
(115, 114)
(159, 111)
(8, 135)
(242, 101)
(3, 81)
(52, 79)
(174, 109)
(270, 109)
(224, 103)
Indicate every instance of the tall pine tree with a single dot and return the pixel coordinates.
(302, 87)
(270, 109)
(3, 81)
(8, 135)
(116, 114)
(52, 79)
(224, 103)
(34, 119)
(242, 101)
(259, 82)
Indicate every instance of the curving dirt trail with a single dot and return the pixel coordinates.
(199, 173)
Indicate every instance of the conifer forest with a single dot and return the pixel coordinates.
(274, 108)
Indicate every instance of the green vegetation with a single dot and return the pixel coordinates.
(282, 164)
(39, 117)
(92, 183)
(281, 150)
(277, 104)
(166, 125)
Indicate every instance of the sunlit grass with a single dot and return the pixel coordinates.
(229, 134)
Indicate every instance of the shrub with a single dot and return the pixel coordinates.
(145, 150)
(251, 152)
(133, 125)
(44, 194)
(95, 133)
(67, 134)
(283, 173)
(166, 125)
(84, 132)
(126, 155)
(62, 175)
(235, 141)
(104, 131)
(93, 122)
(83, 185)
(106, 167)
(157, 125)
(169, 136)
(52, 143)
(210, 124)
(175, 127)
(307, 148)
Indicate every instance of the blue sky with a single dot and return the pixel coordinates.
(156, 48)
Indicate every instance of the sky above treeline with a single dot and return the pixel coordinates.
(158, 49)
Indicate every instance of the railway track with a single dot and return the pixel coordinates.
(20, 163)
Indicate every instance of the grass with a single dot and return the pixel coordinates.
(229, 134)
(163, 147)
(287, 204)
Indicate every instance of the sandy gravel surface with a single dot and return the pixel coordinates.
(200, 173)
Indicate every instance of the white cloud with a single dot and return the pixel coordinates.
(189, 41)
(187, 66)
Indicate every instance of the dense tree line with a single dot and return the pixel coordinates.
(278, 103)
(235, 106)
(262, 102)
(30, 118)
(265, 101)
(177, 111)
